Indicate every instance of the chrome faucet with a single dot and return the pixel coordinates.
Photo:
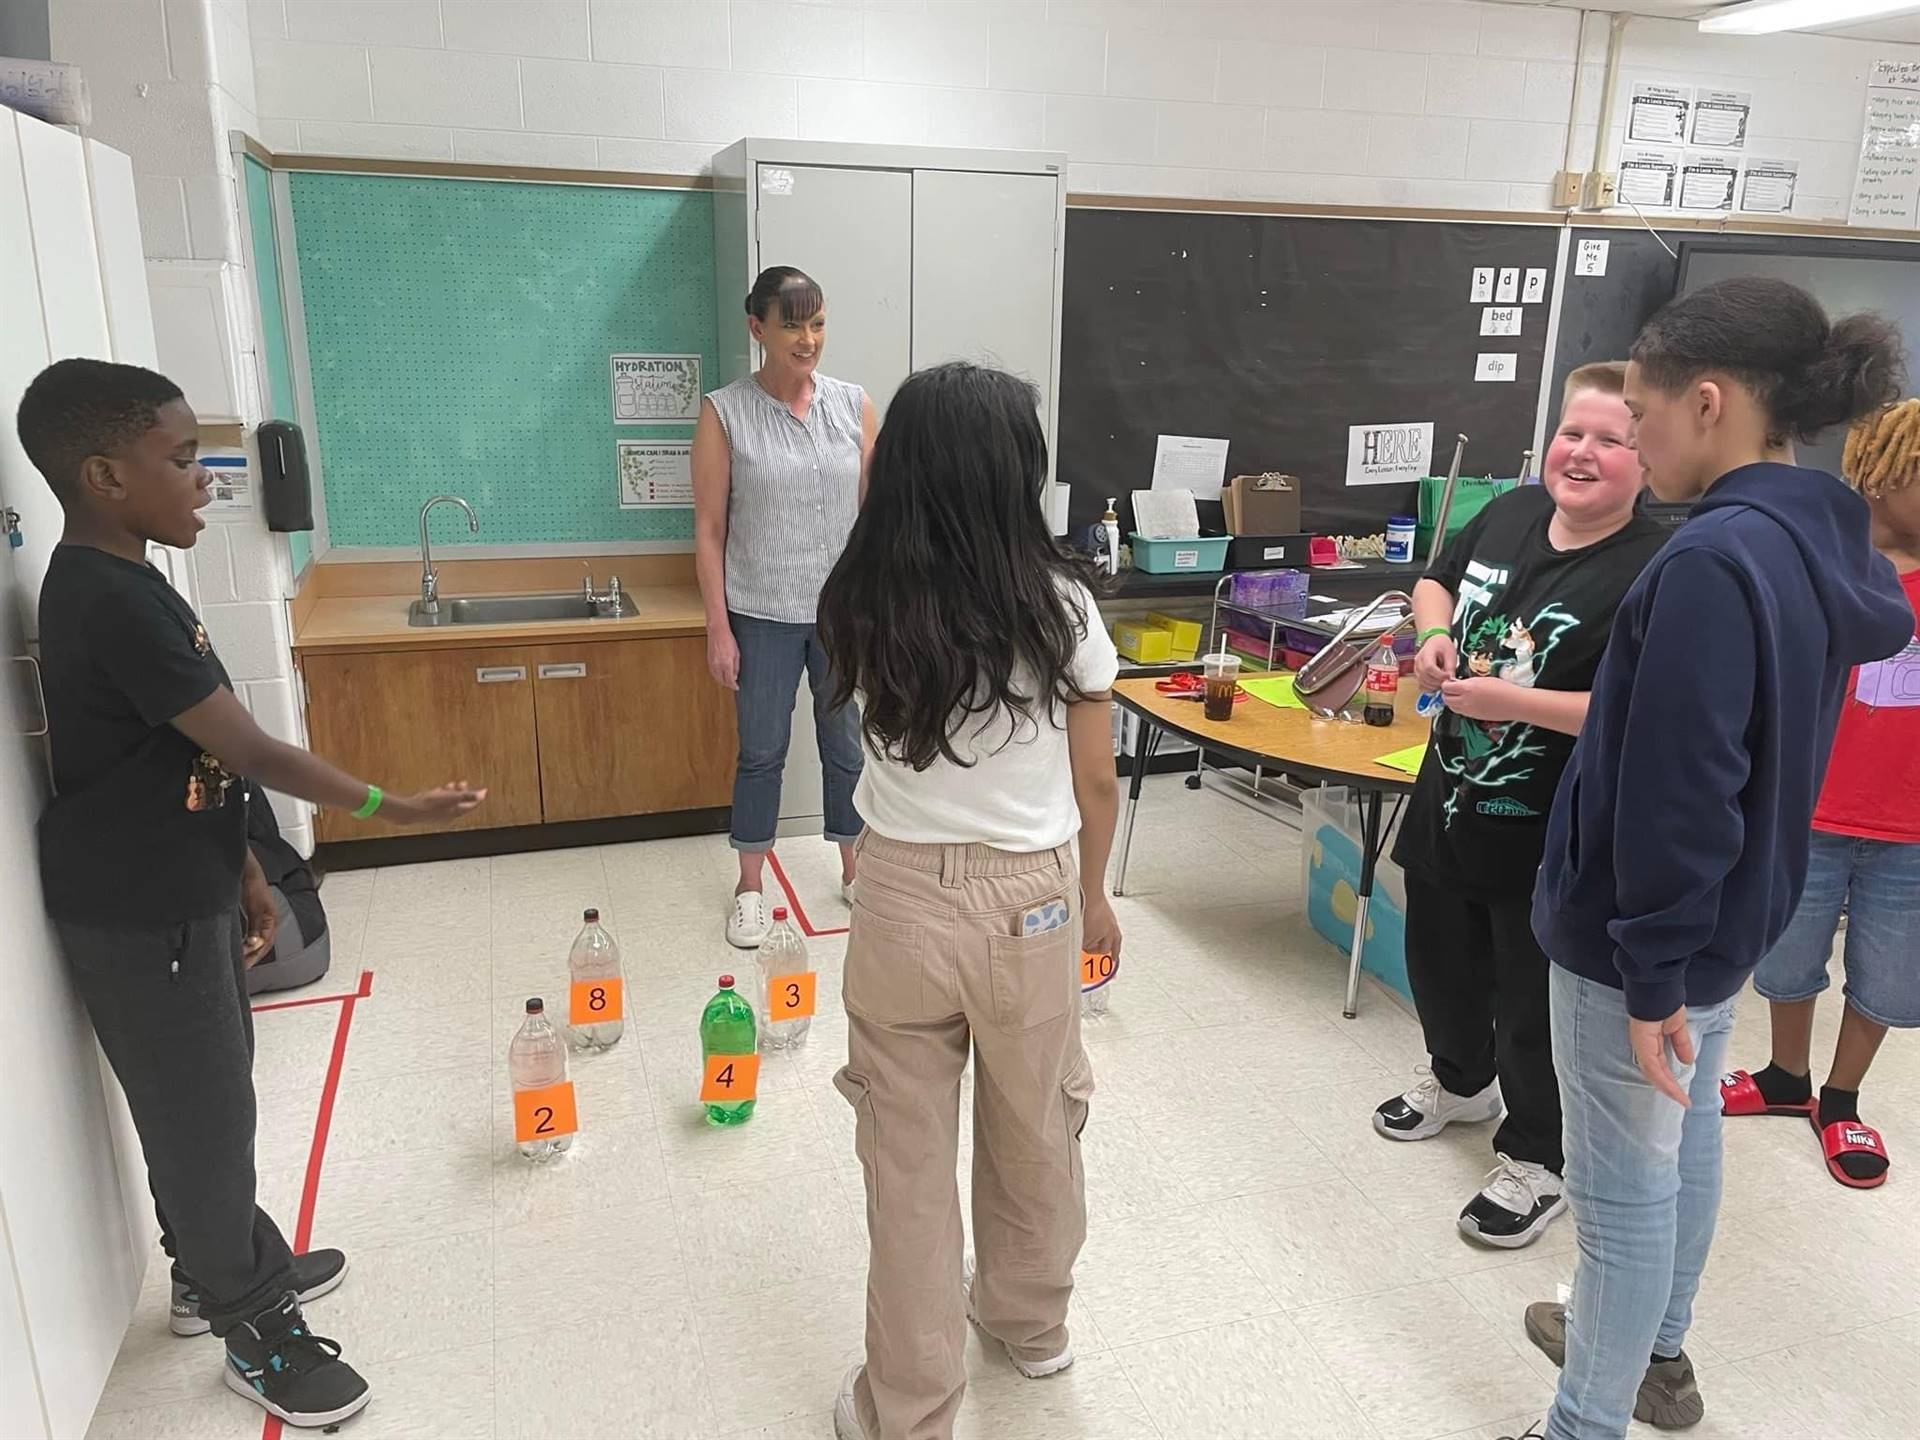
(429, 577)
(607, 604)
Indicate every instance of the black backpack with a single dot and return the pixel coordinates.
(301, 950)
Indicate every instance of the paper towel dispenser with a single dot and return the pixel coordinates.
(284, 482)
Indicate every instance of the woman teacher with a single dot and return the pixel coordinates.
(779, 468)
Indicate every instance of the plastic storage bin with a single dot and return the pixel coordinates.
(1172, 557)
(1330, 879)
(1144, 643)
(1284, 591)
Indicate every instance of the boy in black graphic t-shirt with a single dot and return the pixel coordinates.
(1513, 619)
(159, 905)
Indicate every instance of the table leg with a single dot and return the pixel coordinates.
(1369, 855)
(1148, 742)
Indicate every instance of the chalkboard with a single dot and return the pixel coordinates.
(1600, 314)
(1278, 333)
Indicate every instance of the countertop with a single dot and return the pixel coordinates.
(379, 622)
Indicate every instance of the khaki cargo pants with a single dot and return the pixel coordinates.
(935, 958)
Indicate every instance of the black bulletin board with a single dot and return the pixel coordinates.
(1279, 332)
(1600, 314)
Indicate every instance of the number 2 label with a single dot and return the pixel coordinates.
(593, 1002)
(729, 1078)
(545, 1113)
(791, 997)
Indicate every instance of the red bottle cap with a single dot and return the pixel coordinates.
(779, 912)
(726, 982)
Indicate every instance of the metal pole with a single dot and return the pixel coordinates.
(1526, 465)
(1446, 500)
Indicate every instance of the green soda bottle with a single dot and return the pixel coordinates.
(726, 1028)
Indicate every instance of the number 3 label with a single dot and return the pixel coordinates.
(544, 1113)
(592, 1002)
(790, 997)
(729, 1078)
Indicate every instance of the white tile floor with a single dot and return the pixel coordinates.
(1259, 1264)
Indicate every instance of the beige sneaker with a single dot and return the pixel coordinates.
(1669, 1397)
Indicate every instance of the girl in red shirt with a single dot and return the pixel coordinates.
(1865, 860)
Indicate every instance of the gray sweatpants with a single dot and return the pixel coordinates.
(169, 1004)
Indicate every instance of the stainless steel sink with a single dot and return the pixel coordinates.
(521, 609)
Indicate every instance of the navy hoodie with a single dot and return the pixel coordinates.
(1677, 848)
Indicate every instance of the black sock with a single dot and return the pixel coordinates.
(1845, 1105)
(1782, 1087)
(1660, 1359)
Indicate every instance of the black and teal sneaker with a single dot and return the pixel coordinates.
(288, 1371)
(316, 1273)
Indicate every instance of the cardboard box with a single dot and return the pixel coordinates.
(1141, 642)
(1262, 505)
(1185, 633)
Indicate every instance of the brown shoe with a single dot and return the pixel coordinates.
(1669, 1397)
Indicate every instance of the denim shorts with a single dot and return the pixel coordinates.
(1878, 883)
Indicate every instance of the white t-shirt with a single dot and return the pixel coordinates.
(1017, 794)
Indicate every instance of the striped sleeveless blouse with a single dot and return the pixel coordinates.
(795, 489)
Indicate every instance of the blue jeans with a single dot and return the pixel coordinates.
(773, 655)
(1643, 1178)
(1878, 881)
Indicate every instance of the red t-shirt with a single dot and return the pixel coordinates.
(1873, 780)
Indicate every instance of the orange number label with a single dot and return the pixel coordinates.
(1096, 970)
(790, 997)
(594, 1001)
(544, 1114)
(729, 1078)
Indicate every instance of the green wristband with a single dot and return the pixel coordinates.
(1429, 633)
(370, 804)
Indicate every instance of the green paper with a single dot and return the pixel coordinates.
(1408, 759)
(1275, 690)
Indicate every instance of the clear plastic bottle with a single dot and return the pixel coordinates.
(726, 1028)
(595, 960)
(536, 1059)
(1097, 973)
(783, 952)
(1382, 684)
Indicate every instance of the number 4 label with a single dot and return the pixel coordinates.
(730, 1078)
(544, 1114)
(594, 1002)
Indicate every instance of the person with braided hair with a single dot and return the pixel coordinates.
(1865, 860)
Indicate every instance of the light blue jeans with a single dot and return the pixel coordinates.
(1643, 1179)
(773, 657)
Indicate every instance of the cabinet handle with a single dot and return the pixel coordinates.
(500, 674)
(571, 670)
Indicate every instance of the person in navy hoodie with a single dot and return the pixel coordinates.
(1678, 843)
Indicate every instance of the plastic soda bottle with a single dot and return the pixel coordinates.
(595, 1013)
(1383, 683)
(537, 1060)
(782, 953)
(727, 1028)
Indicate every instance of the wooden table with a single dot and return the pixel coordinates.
(1297, 742)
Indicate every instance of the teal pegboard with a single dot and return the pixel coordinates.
(458, 334)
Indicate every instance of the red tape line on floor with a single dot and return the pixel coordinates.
(793, 902)
(322, 1123)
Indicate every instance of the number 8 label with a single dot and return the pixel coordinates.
(594, 1002)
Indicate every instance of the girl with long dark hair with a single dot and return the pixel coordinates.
(970, 640)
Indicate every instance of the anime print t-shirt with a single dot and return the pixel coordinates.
(1533, 616)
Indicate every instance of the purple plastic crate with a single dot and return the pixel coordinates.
(1269, 589)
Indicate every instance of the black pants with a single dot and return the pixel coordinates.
(1480, 984)
(170, 1007)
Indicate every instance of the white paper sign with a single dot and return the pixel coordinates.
(776, 180)
(1720, 117)
(1707, 179)
(1658, 114)
(655, 389)
(230, 480)
(1392, 454)
(1496, 367)
(1590, 258)
(1482, 284)
(1190, 462)
(1767, 185)
(1649, 178)
(655, 474)
(1886, 186)
(1534, 288)
(1508, 289)
(1500, 320)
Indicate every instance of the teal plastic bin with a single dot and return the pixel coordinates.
(1172, 557)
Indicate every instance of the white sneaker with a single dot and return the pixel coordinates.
(846, 1416)
(749, 923)
(846, 891)
(1429, 1107)
(1032, 1369)
(1516, 1204)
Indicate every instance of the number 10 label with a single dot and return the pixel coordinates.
(1096, 970)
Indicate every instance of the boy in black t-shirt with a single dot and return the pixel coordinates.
(1512, 622)
(159, 905)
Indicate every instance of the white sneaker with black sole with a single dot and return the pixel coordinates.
(749, 922)
(1429, 1107)
(1518, 1202)
(1032, 1369)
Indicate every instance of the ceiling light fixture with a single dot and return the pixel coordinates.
(1767, 17)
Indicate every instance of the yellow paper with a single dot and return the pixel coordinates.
(1408, 759)
(1275, 690)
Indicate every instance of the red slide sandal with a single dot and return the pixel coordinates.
(1740, 1096)
(1850, 1137)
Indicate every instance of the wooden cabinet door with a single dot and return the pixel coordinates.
(412, 719)
(631, 727)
